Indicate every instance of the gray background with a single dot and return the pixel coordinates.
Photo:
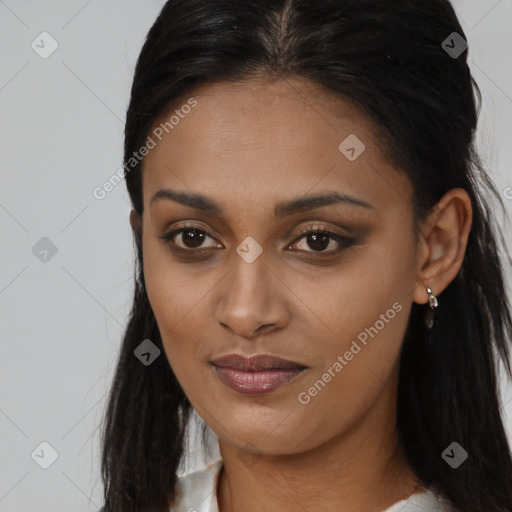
(61, 136)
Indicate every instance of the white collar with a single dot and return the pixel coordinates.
(197, 491)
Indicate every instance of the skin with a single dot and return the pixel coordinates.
(248, 146)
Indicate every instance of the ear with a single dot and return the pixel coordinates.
(443, 243)
(136, 224)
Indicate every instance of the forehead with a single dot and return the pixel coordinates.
(255, 139)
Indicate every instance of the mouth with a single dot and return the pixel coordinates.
(255, 363)
(256, 375)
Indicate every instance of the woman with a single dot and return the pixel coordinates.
(317, 269)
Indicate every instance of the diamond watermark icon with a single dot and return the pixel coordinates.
(454, 455)
(44, 455)
(248, 458)
(44, 250)
(249, 249)
(352, 147)
(44, 45)
(454, 45)
(147, 352)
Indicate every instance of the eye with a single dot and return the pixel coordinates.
(191, 237)
(320, 239)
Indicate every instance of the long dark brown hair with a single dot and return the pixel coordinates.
(386, 57)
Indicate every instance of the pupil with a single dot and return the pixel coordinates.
(194, 236)
(318, 242)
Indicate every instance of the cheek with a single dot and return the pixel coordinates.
(366, 308)
(172, 299)
(168, 283)
(365, 285)
(359, 367)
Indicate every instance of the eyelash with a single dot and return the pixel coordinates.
(344, 241)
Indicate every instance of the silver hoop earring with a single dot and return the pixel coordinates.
(429, 314)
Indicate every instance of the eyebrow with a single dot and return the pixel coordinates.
(282, 209)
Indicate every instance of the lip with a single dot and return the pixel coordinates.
(255, 363)
(256, 375)
(259, 382)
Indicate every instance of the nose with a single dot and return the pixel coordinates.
(253, 300)
(249, 334)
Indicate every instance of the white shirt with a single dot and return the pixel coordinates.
(197, 492)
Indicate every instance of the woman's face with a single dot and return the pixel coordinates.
(248, 281)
